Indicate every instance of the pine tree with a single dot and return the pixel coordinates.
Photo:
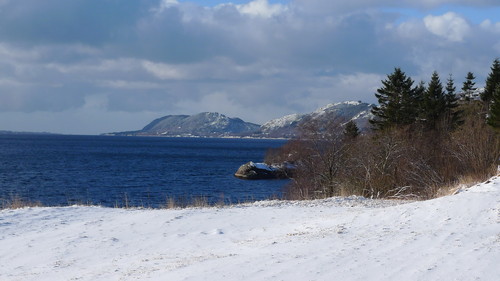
(351, 130)
(494, 115)
(469, 85)
(434, 103)
(419, 98)
(452, 114)
(397, 102)
(492, 81)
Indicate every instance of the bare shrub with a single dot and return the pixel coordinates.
(389, 165)
(410, 163)
(320, 156)
(403, 162)
(476, 148)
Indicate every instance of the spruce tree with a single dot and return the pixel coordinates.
(492, 81)
(494, 115)
(450, 87)
(351, 130)
(452, 114)
(419, 98)
(469, 85)
(397, 102)
(434, 103)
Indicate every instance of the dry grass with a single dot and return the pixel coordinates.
(170, 204)
(200, 202)
(462, 183)
(17, 203)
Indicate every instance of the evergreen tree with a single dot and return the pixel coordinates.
(494, 115)
(492, 81)
(434, 103)
(450, 87)
(419, 98)
(469, 85)
(351, 130)
(452, 114)
(397, 102)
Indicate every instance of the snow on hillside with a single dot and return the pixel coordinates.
(348, 109)
(284, 121)
(450, 238)
(334, 106)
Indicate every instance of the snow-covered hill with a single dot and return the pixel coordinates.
(206, 124)
(213, 124)
(287, 126)
(451, 238)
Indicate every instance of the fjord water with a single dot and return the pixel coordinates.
(139, 171)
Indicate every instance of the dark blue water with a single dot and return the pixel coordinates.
(114, 171)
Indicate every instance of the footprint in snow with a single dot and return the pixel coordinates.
(213, 232)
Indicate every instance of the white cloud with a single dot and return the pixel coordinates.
(10, 82)
(130, 85)
(261, 8)
(95, 102)
(450, 26)
(217, 68)
(412, 29)
(490, 26)
(8, 52)
(345, 87)
(96, 67)
(212, 102)
(164, 71)
(164, 4)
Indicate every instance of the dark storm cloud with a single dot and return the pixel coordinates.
(89, 22)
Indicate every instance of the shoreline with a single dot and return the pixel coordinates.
(347, 238)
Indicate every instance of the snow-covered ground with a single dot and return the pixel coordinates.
(451, 238)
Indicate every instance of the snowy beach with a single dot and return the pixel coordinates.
(456, 237)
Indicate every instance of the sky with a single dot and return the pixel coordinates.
(97, 66)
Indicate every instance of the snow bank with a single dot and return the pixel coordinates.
(450, 238)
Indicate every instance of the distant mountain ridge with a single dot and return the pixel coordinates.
(206, 124)
(4, 132)
(287, 126)
(212, 124)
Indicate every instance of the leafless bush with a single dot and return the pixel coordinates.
(289, 152)
(476, 148)
(389, 165)
(404, 162)
(320, 156)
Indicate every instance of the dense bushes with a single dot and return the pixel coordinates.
(403, 162)
(423, 140)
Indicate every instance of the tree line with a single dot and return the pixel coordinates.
(432, 106)
(423, 141)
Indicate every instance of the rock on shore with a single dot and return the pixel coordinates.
(259, 171)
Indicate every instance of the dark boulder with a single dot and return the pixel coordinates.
(261, 171)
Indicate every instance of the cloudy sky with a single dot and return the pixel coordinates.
(95, 66)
